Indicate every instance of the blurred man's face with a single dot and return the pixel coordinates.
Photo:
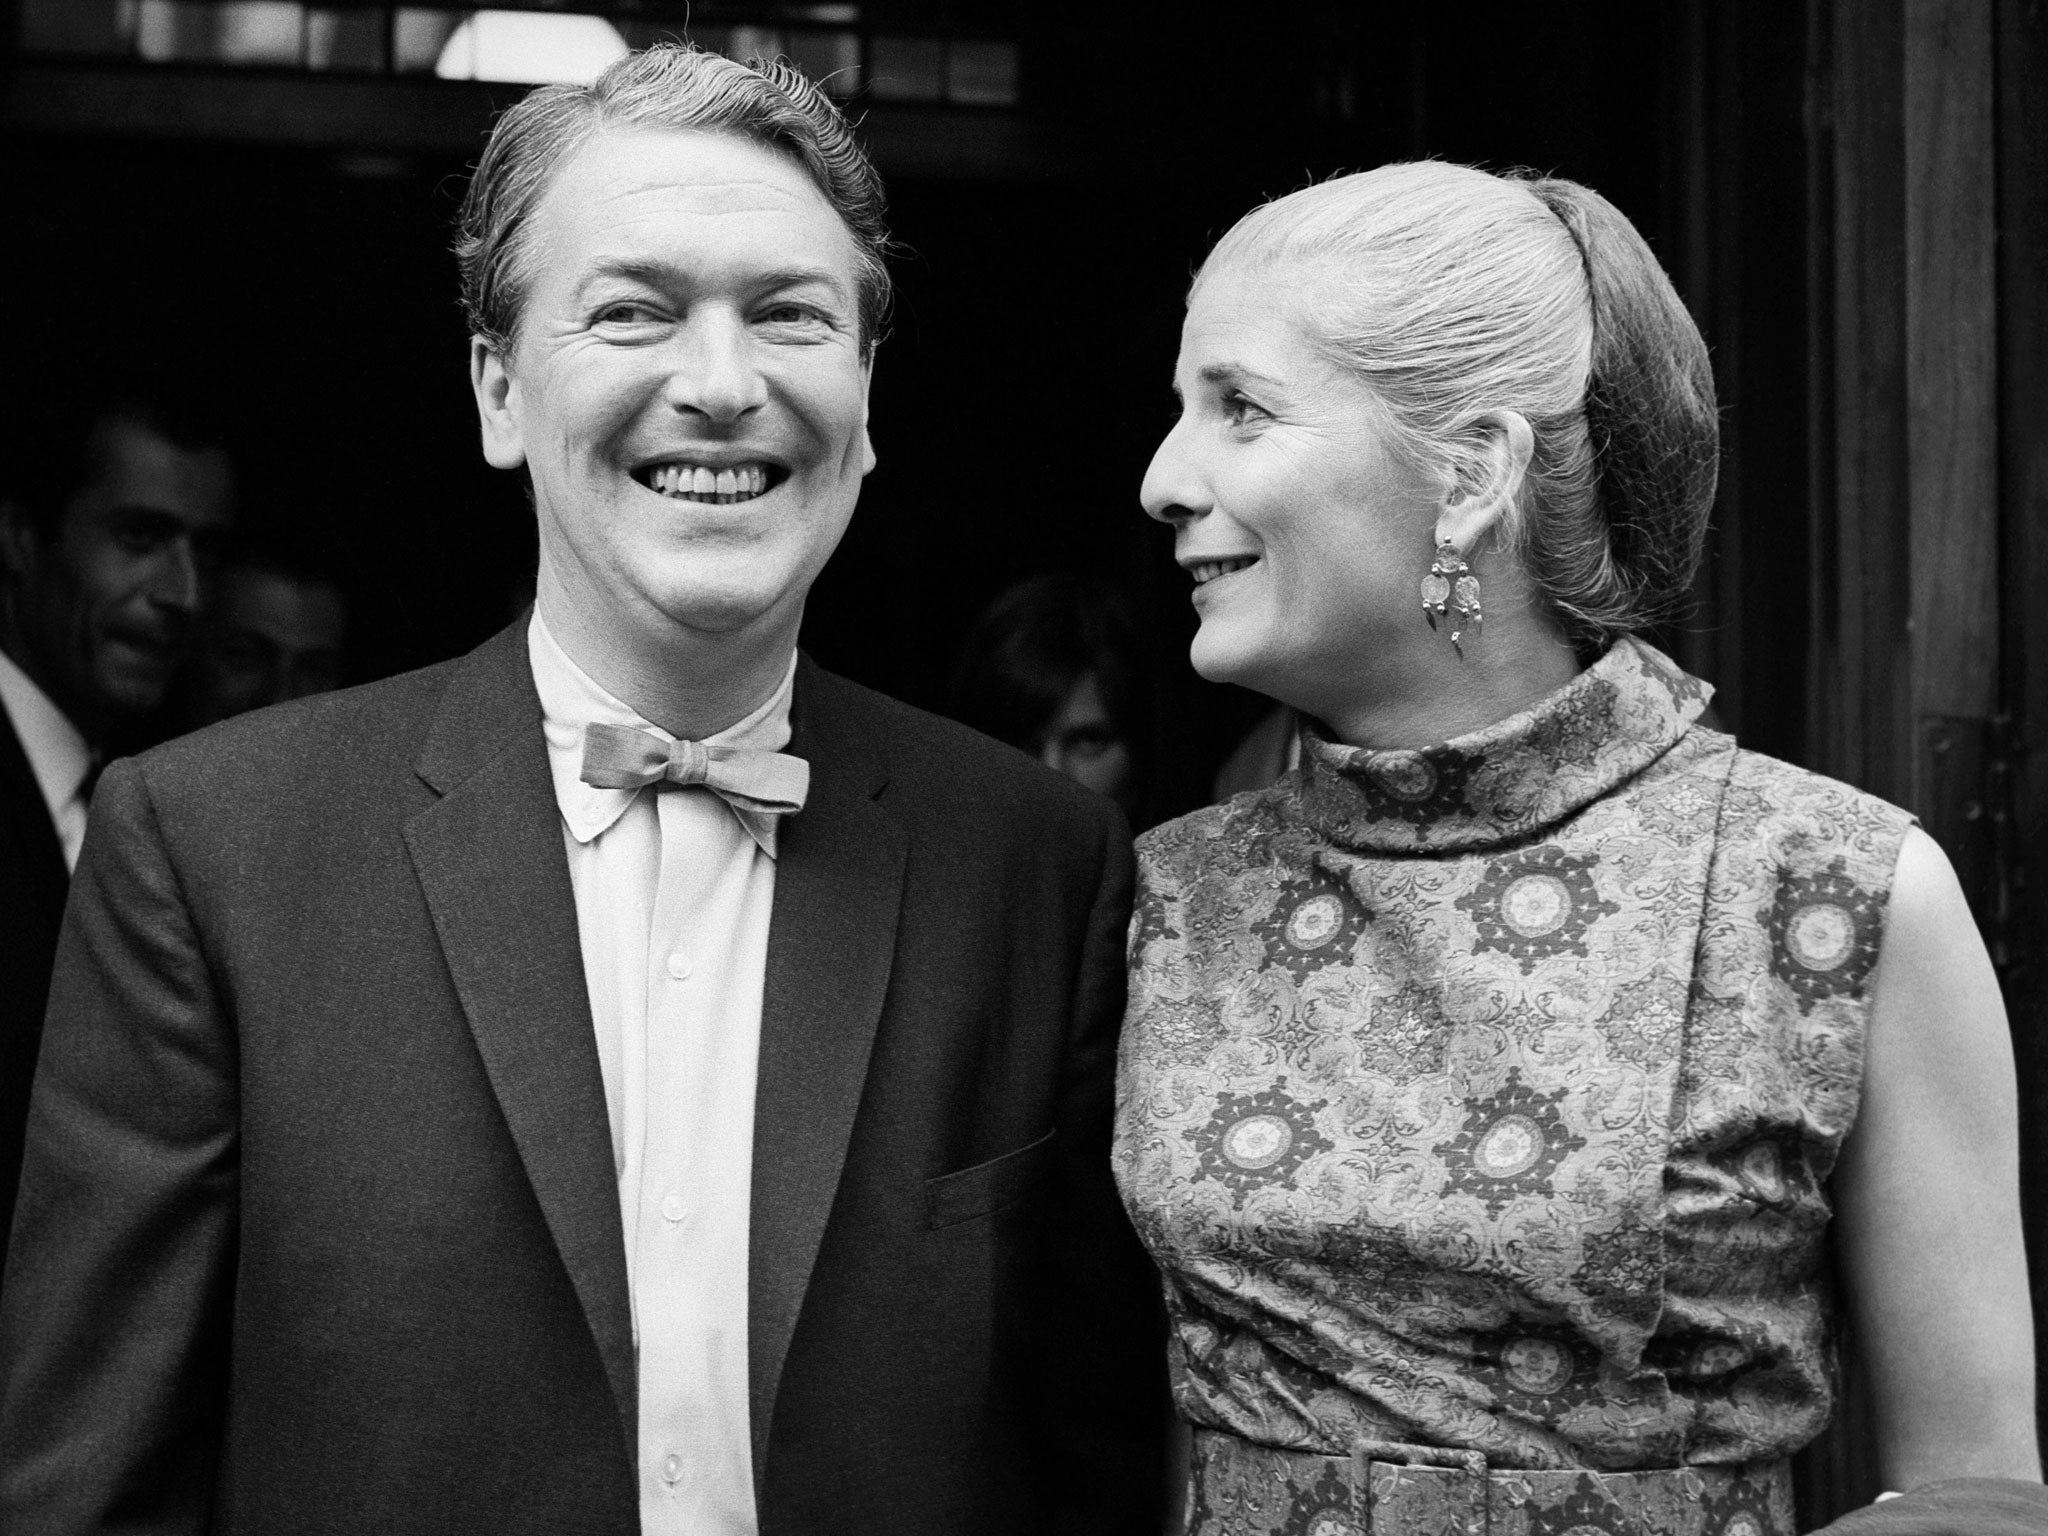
(271, 638)
(103, 609)
(687, 389)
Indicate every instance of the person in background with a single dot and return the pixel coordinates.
(1051, 667)
(1268, 749)
(276, 632)
(112, 506)
(1502, 1091)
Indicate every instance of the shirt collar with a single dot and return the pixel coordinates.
(570, 699)
(58, 754)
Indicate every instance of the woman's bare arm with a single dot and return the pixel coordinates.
(1927, 1198)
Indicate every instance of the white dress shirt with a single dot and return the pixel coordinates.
(57, 754)
(673, 896)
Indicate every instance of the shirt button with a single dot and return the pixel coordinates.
(672, 1469)
(679, 966)
(672, 1207)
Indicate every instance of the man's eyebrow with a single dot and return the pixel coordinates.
(661, 274)
(142, 514)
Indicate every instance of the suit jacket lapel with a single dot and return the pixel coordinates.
(838, 890)
(489, 857)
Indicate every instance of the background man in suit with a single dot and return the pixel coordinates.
(440, 1129)
(110, 507)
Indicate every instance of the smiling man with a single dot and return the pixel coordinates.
(628, 1078)
(110, 508)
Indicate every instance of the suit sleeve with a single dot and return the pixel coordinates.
(113, 1312)
(1102, 1412)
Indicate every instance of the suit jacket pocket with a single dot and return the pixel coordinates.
(987, 1187)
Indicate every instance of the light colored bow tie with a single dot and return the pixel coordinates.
(761, 783)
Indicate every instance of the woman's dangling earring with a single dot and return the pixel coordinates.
(1451, 588)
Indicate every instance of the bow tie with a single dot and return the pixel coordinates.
(753, 783)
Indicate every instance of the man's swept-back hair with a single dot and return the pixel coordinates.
(1459, 293)
(51, 439)
(670, 86)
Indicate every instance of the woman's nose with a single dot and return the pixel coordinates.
(1172, 491)
(715, 373)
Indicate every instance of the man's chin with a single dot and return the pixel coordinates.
(130, 689)
(729, 610)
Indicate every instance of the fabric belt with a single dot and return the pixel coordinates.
(1238, 1488)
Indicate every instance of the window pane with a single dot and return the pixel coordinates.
(830, 58)
(529, 47)
(418, 35)
(982, 74)
(352, 40)
(907, 68)
(754, 43)
(74, 26)
(260, 32)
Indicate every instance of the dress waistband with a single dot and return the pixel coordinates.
(1238, 1488)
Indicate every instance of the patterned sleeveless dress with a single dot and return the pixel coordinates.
(1477, 1105)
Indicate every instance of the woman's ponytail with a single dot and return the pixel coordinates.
(1651, 424)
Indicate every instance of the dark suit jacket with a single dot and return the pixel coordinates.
(32, 886)
(319, 1226)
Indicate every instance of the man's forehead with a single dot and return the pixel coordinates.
(136, 465)
(621, 172)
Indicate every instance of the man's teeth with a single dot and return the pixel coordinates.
(1209, 570)
(720, 486)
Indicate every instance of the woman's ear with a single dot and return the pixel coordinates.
(1485, 496)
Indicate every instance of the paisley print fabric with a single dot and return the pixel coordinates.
(1242, 1489)
(1482, 1097)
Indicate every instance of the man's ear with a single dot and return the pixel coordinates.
(497, 405)
(867, 443)
(20, 549)
(1485, 496)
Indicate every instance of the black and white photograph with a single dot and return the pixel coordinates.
(966, 768)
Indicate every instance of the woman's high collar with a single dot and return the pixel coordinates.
(1512, 779)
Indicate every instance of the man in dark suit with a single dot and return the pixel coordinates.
(109, 507)
(483, 1101)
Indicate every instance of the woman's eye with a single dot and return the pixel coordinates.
(1237, 410)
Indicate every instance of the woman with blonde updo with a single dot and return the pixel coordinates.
(1504, 1088)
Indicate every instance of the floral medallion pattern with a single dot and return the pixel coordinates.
(1537, 1372)
(1314, 924)
(1238, 1488)
(1512, 1143)
(1258, 1138)
(1824, 934)
(1418, 788)
(1502, 1122)
(1326, 1507)
(1153, 925)
(1743, 1509)
(1585, 1511)
(1536, 905)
